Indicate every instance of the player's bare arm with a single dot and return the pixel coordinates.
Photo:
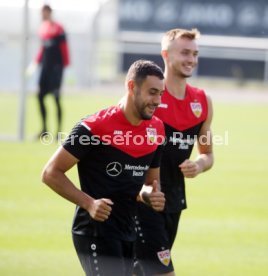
(54, 176)
(205, 158)
(151, 192)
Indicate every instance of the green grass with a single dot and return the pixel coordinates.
(223, 232)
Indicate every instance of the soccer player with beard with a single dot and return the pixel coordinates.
(116, 150)
(187, 113)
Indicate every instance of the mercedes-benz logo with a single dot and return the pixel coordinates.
(114, 168)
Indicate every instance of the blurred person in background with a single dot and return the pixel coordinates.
(187, 114)
(52, 57)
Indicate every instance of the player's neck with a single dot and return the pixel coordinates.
(176, 86)
(130, 114)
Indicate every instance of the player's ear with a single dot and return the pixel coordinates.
(164, 54)
(130, 86)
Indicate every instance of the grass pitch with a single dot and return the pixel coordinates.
(224, 231)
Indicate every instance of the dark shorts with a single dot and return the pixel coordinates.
(104, 257)
(50, 79)
(152, 248)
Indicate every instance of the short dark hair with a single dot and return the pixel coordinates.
(47, 8)
(141, 69)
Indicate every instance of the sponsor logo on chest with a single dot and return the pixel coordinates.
(137, 170)
(196, 108)
(114, 169)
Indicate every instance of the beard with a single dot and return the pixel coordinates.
(141, 110)
(145, 116)
(142, 113)
(140, 107)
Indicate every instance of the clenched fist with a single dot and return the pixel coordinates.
(100, 209)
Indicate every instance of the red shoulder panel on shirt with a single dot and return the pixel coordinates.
(49, 30)
(112, 128)
(186, 113)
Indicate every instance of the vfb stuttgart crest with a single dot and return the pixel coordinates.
(151, 134)
(196, 108)
(164, 257)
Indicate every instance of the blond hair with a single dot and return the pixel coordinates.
(173, 34)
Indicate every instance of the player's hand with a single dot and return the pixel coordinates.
(189, 168)
(100, 209)
(156, 198)
(30, 70)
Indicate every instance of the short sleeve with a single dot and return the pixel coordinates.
(79, 141)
